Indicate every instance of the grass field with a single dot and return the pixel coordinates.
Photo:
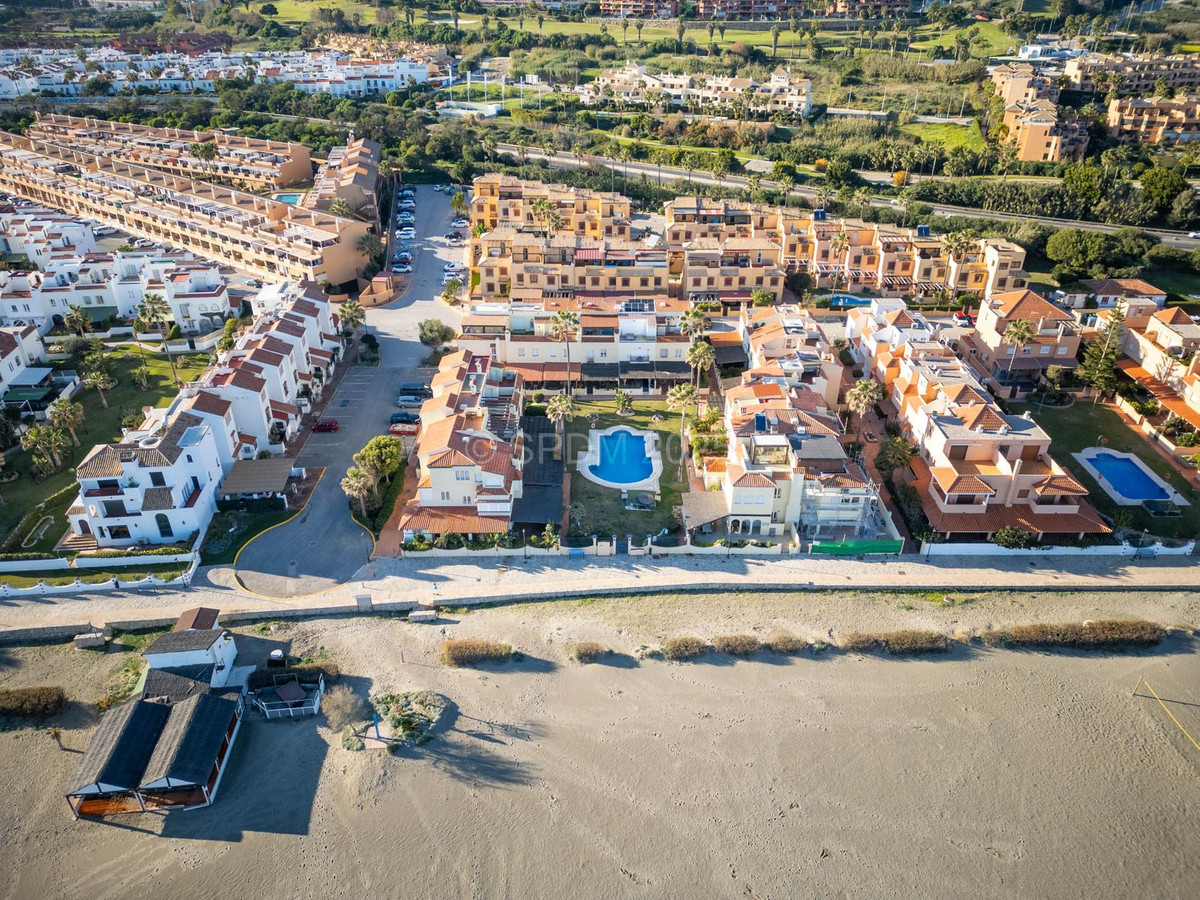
(99, 425)
(165, 571)
(949, 136)
(604, 512)
(1077, 428)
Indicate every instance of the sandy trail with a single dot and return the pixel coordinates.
(984, 774)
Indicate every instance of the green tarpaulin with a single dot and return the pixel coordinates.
(27, 395)
(853, 548)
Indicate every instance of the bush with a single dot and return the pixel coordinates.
(350, 740)
(737, 644)
(1108, 634)
(24, 557)
(587, 651)
(468, 651)
(343, 708)
(782, 642)
(174, 334)
(912, 641)
(32, 702)
(859, 642)
(683, 647)
(1013, 538)
(147, 551)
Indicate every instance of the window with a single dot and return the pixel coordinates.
(446, 496)
(164, 524)
(157, 480)
(520, 351)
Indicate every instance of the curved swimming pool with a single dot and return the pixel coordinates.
(623, 458)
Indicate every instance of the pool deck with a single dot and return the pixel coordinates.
(1085, 459)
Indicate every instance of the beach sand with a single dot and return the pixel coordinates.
(986, 773)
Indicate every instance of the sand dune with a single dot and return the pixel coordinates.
(984, 774)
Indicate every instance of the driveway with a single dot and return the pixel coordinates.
(323, 546)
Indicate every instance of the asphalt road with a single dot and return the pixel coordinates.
(669, 173)
(324, 546)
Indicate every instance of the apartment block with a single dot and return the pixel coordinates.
(1013, 369)
(876, 9)
(748, 9)
(240, 230)
(978, 469)
(469, 452)
(1042, 132)
(1132, 75)
(728, 271)
(1166, 345)
(243, 161)
(640, 9)
(1157, 120)
(503, 200)
(156, 486)
(42, 234)
(1021, 83)
(633, 84)
(350, 173)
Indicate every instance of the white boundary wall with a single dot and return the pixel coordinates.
(1123, 549)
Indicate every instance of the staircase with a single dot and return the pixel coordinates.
(76, 543)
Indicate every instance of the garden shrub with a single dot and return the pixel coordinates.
(686, 647)
(737, 644)
(1107, 634)
(587, 651)
(782, 642)
(350, 740)
(459, 652)
(32, 702)
(343, 708)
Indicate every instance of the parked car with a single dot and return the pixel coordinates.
(403, 257)
(407, 187)
(448, 277)
(454, 235)
(461, 222)
(452, 267)
(326, 425)
(405, 428)
(416, 388)
(439, 188)
(401, 269)
(408, 204)
(408, 401)
(406, 219)
(403, 417)
(964, 319)
(406, 234)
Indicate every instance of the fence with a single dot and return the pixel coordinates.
(114, 584)
(83, 561)
(281, 709)
(1122, 549)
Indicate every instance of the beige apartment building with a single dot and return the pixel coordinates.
(244, 231)
(1133, 75)
(350, 173)
(242, 161)
(1044, 133)
(1019, 82)
(1157, 120)
(1013, 368)
(503, 200)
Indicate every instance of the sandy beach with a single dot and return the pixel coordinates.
(986, 773)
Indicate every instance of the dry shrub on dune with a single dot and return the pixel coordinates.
(736, 644)
(858, 641)
(587, 651)
(685, 647)
(782, 642)
(913, 641)
(468, 651)
(1106, 634)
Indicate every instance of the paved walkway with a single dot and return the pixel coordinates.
(418, 578)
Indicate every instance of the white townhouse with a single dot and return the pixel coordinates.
(157, 486)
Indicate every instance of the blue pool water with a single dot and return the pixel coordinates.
(291, 199)
(1128, 478)
(623, 458)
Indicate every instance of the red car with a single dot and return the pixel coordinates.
(326, 425)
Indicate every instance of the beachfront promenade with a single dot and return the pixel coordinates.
(458, 582)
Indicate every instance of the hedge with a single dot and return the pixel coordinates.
(32, 702)
(149, 551)
(1106, 634)
(24, 557)
(30, 520)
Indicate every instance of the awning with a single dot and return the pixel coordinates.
(30, 377)
(703, 507)
(257, 476)
(27, 395)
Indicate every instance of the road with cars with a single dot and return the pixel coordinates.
(324, 546)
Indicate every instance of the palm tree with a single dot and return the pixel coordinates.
(775, 32)
(559, 410)
(3, 463)
(68, 415)
(693, 322)
(352, 316)
(862, 397)
(562, 324)
(700, 357)
(680, 398)
(458, 200)
(340, 207)
(357, 485)
(839, 246)
(624, 402)
(155, 312)
(956, 243)
(638, 25)
(1018, 334)
(894, 453)
(77, 320)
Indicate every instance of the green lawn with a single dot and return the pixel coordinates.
(1185, 285)
(1074, 429)
(99, 425)
(166, 571)
(947, 135)
(604, 512)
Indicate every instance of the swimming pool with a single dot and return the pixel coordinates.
(1125, 478)
(623, 458)
(290, 199)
